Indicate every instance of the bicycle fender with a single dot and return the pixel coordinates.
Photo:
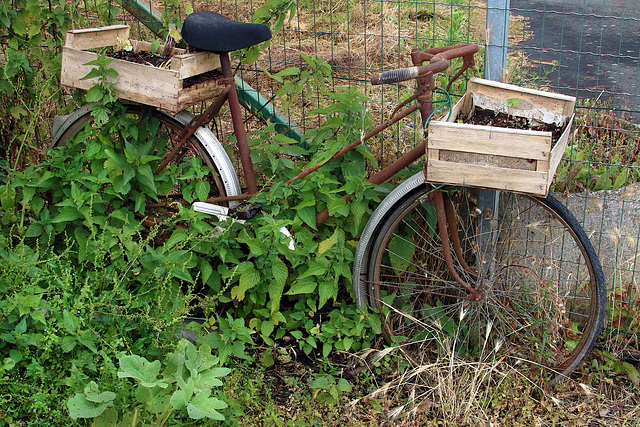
(362, 252)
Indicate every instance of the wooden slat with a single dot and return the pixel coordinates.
(531, 182)
(91, 38)
(557, 103)
(558, 149)
(463, 157)
(197, 93)
(192, 64)
(432, 153)
(459, 110)
(489, 140)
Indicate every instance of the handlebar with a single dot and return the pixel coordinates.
(438, 61)
(403, 74)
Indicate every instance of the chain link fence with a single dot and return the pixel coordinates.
(585, 48)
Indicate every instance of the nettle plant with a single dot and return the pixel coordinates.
(282, 289)
(116, 288)
(85, 283)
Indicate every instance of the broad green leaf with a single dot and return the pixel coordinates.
(202, 406)
(93, 394)
(315, 269)
(401, 252)
(621, 179)
(39, 316)
(70, 321)
(26, 303)
(359, 209)
(326, 349)
(249, 279)
(322, 383)
(266, 328)
(287, 72)
(142, 370)
(80, 407)
(179, 235)
(21, 327)
(67, 214)
(344, 385)
(338, 207)
(202, 189)
(326, 291)
(328, 243)
(280, 275)
(67, 344)
(308, 200)
(179, 399)
(256, 246)
(303, 287)
(92, 74)
(347, 342)
(154, 46)
(308, 216)
(7, 197)
(145, 176)
(95, 94)
(294, 150)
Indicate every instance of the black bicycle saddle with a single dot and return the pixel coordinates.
(213, 32)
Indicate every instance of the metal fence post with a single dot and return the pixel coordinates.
(495, 63)
(495, 66)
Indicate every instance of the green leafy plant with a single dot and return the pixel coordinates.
(187, 379)
(327, 389)
(32, 36)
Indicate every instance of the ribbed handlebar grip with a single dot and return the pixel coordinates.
(395, 76)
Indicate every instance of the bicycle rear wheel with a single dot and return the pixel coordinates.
(160, 132)
(542, 288)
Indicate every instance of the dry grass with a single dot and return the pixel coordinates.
(450, 391)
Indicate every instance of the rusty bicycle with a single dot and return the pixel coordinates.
(501, 270)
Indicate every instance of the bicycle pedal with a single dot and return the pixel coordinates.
(221, 212)
(246, 210)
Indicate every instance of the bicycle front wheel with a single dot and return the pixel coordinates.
(539, 292)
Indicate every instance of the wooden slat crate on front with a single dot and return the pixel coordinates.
(160, 87)
(494, 157)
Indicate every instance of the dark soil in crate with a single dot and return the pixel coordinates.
(151, 59)
(484, 117)
(144, 58)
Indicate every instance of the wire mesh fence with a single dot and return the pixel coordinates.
(584, 48)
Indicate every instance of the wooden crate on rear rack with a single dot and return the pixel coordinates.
(181, 85)
(497, 157)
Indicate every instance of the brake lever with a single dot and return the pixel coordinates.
(467, 62)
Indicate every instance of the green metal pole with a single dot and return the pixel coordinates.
(147, 15)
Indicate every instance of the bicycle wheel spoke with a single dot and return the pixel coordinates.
(535, 275)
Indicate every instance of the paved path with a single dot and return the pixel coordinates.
(595, 43)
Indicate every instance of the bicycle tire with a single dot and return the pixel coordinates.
(203, 144)
(544, 296)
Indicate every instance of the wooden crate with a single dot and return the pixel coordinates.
(159, 87)
(499, 158)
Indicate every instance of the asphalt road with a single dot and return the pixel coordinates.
(594, 44)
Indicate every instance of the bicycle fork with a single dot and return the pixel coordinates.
(449, 237)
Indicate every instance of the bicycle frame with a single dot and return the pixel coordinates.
(438, 60)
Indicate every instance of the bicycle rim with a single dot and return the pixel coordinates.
(165, 133)
(543, 292)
